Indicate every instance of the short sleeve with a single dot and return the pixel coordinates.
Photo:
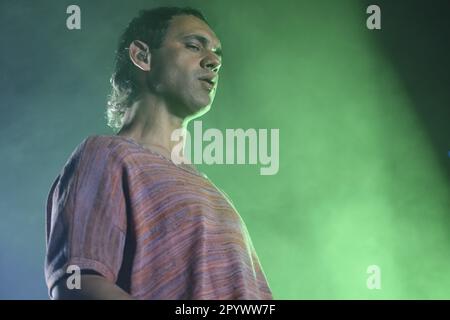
(86, 214)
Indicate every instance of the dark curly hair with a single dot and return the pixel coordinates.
(150, 27)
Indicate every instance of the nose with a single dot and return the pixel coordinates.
(211, 62)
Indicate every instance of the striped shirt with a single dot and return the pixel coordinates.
(157, 230)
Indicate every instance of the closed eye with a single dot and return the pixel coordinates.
(192, 47)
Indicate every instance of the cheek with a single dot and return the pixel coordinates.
(182, 78)
(185, 65)
(178, 72)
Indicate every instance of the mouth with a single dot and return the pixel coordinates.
(209, 83)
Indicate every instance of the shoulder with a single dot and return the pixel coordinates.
(104, 143)
(96, 158)
(113, 146)
(100, 150)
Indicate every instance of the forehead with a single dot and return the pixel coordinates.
(184, 25)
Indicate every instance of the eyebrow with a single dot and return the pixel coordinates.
(204, 41)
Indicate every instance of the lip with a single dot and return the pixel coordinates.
(210, 79)
(207, 84)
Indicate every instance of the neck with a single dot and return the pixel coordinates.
(149, 122)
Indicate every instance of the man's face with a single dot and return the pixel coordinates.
(184, 70)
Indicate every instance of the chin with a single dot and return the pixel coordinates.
(198, 105)
(199, 110)
(205, 101)
(202, 103)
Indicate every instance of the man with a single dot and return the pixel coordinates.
(136, 222)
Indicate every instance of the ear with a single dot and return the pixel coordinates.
(140, 55)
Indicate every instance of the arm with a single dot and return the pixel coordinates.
(87, 223)
(93, 287)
